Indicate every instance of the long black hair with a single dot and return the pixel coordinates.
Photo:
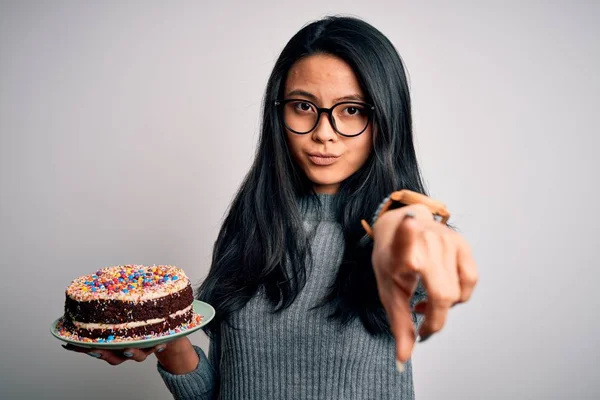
(262, 244)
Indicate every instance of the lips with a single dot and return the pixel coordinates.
(323, 159)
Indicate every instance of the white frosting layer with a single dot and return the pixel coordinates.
(128, 325)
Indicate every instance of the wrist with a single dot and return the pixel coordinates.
(179, 357)
(403, 198)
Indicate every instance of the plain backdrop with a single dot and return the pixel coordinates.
(126, 128)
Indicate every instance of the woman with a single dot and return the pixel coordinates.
(307, 305)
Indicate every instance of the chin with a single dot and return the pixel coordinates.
(325, 180)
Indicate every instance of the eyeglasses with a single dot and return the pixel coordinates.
(348, 118)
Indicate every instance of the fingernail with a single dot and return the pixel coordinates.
(421, 339)
(127, 354)
(95, 355)
(400, 366)
(158, 350)
(409, 215)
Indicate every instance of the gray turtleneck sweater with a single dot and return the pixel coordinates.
(298, 353)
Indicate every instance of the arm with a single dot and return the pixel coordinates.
(185, 381)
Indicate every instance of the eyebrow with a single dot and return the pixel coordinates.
(300, 92)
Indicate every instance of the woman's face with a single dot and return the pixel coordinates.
(326, 157)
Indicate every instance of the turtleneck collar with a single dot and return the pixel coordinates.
(319, 207)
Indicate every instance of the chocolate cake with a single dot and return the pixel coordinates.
(128, 301)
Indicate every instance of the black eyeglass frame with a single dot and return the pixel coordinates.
(329, 112)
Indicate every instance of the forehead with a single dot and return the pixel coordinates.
(323, 75)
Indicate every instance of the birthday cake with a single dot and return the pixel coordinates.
(131, 301)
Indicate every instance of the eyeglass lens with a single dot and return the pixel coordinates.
(349, 118)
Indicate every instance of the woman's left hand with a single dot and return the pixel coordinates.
(409, 244)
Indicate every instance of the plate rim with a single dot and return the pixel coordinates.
(138, 343)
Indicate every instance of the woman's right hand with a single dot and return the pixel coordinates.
(177, 356)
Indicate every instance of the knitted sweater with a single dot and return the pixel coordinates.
(298, 353)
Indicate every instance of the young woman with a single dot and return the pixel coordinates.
(308, 306)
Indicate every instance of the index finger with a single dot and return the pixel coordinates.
(397, 286)
(77, 349)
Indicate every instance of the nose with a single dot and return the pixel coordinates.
(324, 132)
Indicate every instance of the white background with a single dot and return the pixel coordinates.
(126, 128)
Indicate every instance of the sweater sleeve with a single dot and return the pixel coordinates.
(199, 384)
(418, 296)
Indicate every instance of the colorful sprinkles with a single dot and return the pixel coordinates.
(127, 281)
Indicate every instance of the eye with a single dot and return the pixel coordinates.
(303, 106)
(353, 111)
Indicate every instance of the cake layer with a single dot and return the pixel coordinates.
(127, 325)
(118, 311)
(150, 328)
